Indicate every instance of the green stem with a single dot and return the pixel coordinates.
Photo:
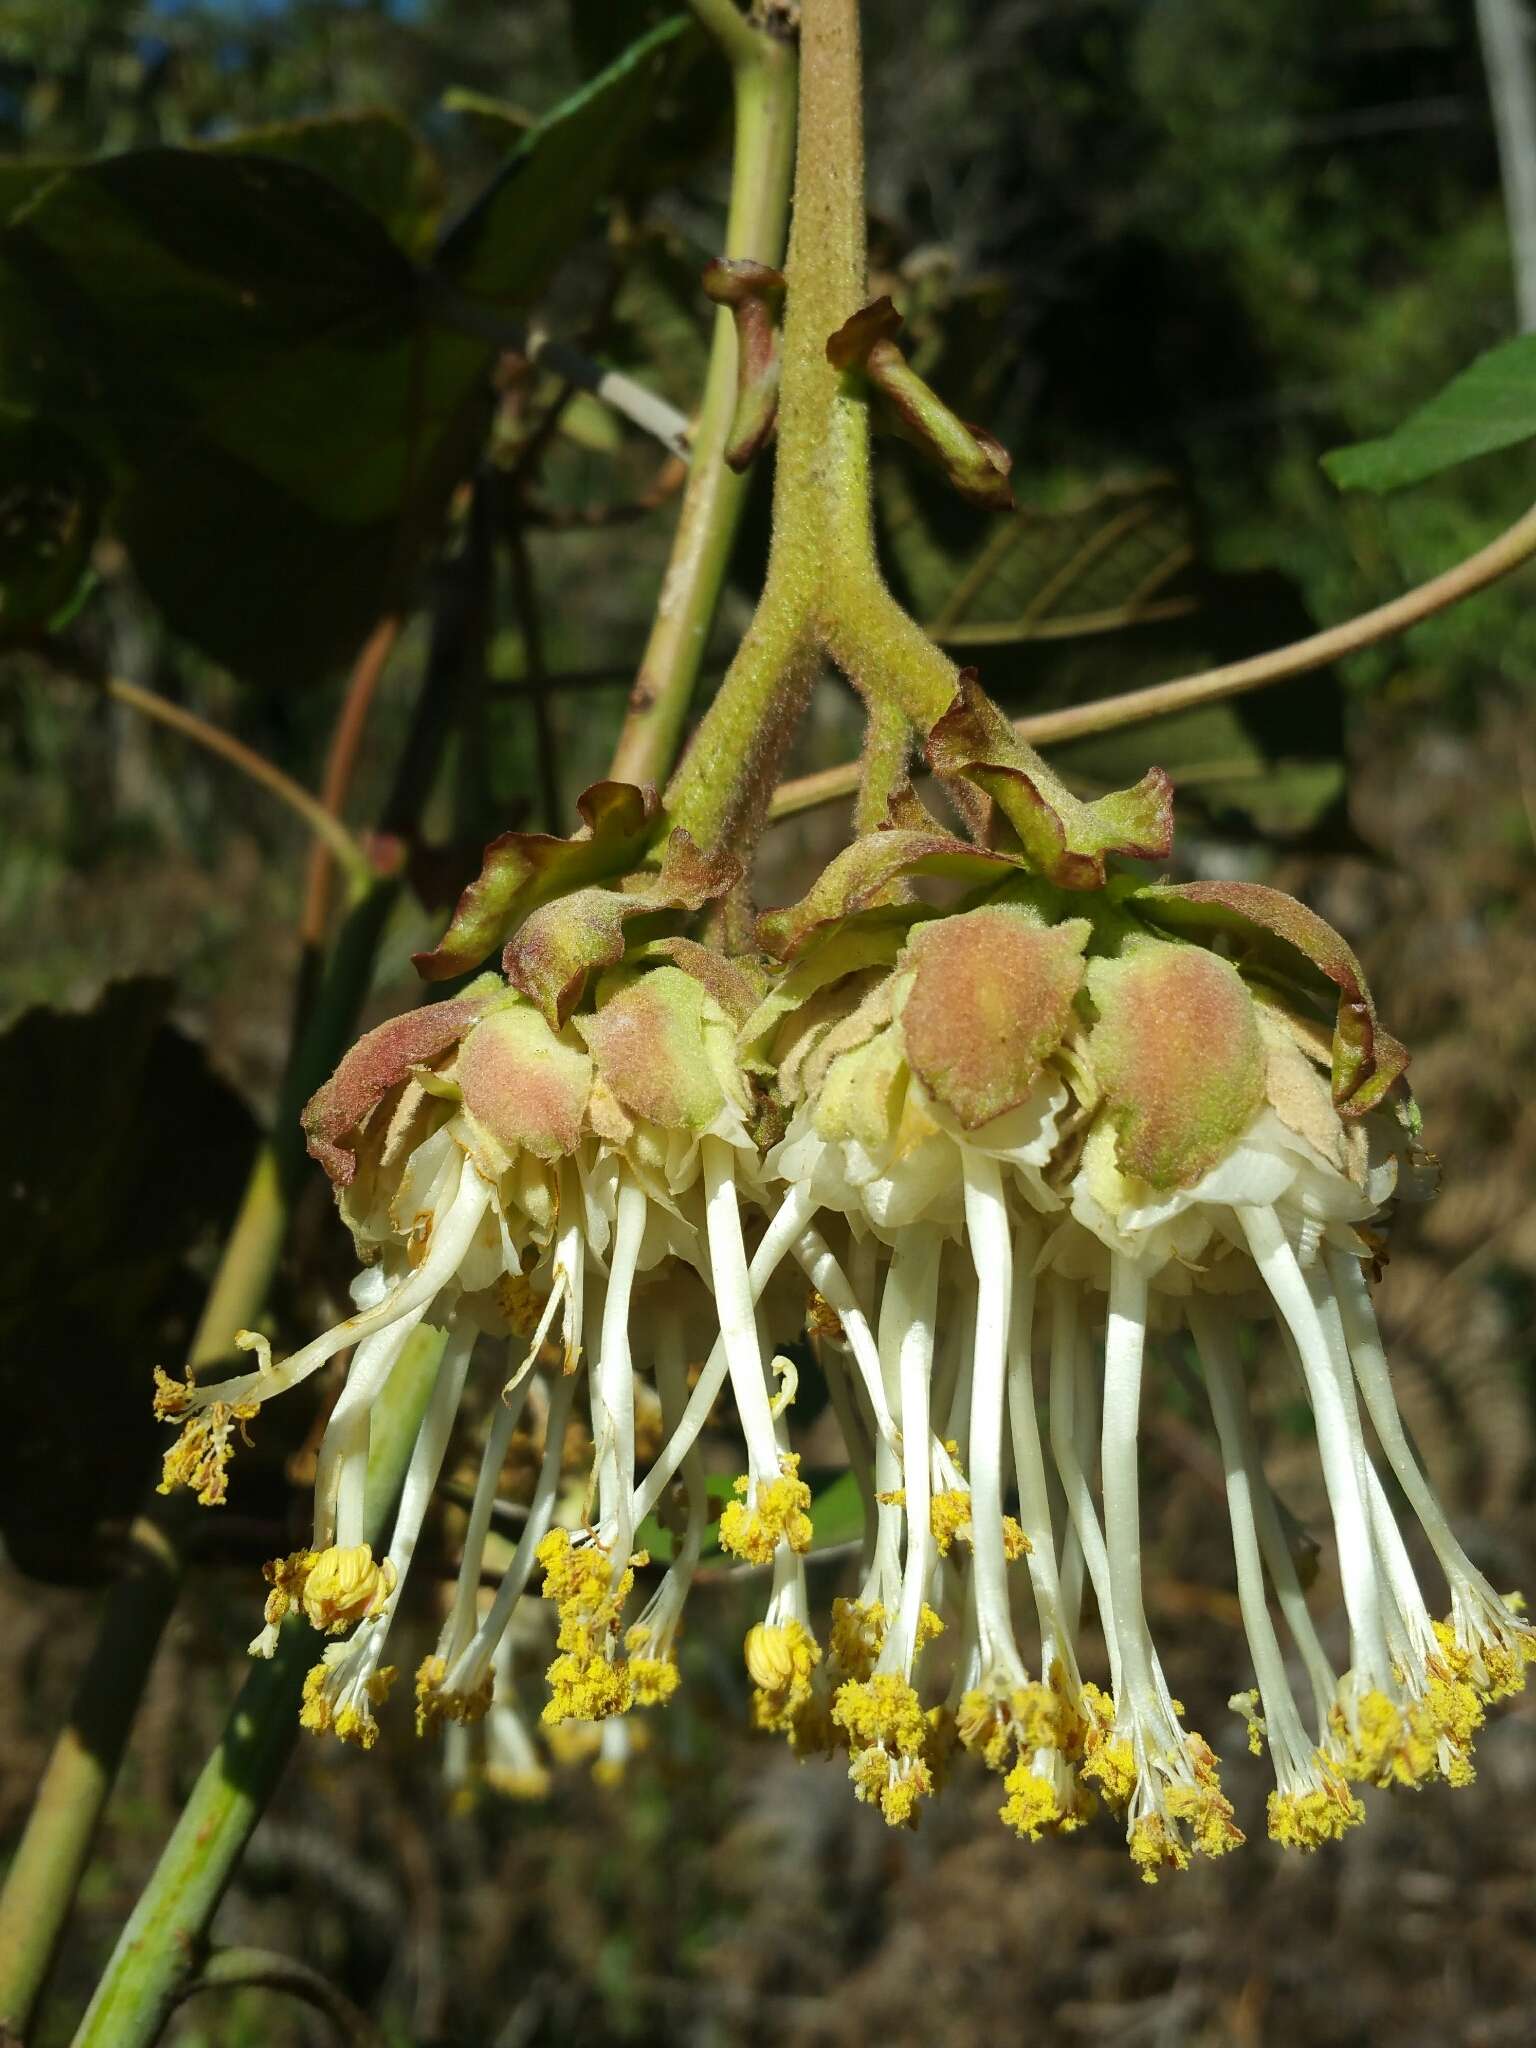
(157, 1954)
(821, 466)
(763, 75)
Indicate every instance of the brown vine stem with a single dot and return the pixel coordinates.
(341, 767)
(1513, 547)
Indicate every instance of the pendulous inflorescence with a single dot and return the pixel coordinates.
(983, 1157)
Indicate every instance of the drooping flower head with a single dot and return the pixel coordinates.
(1008, 1146)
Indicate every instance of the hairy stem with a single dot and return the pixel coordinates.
(763, 75)
(821, 468)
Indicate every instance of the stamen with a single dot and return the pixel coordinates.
(986, 1222)
(451, 1237)
(1056, 1631)
(785, 1226)
(1339, 1445)
(1064, 1427)
(464, 1678)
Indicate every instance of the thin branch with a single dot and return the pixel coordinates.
(632, 401)
(261, 1969)
(341, 766)
(730, 28)
(1512, 548)
(256, 767)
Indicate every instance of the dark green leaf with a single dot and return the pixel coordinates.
(374, 157)
(506, 247)
(1490, 405)
(124, 1153)
(268, 377)
(245, 346)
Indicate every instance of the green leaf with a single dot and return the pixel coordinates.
(837, 1513)
(506, 247)
(1490, 405)
(123, 1154)
(374, 157)
(245, 347)
(282, 399)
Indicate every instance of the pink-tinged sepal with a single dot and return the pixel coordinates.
(869, 876)
(1278, 937)
(991, 999)
(522, 870)
(667, 1051)
(381, 1060)
(558, 946)
(1060, 837)
(1177, 1052)
(523, 1084)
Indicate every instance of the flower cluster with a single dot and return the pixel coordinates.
(974, 1161)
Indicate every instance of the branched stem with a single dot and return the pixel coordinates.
(1512, 548)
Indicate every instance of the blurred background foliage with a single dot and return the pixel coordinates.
(1169, 252)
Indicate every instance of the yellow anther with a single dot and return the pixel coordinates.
(1305, 1820)
(858, 1635)
(199, 1458)
(1380, 1744)
(345, 1586)
(588, 1680)
(774, 1511)
(781, 1660)
(434, 1705)
(949, 1517)
(1015, 1543)
(1032, 1808)
(1247, 1704)
(892, 1741)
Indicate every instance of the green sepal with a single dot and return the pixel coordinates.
(1060, 837)
(522, 870)
(559, 945)
(867, 876)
